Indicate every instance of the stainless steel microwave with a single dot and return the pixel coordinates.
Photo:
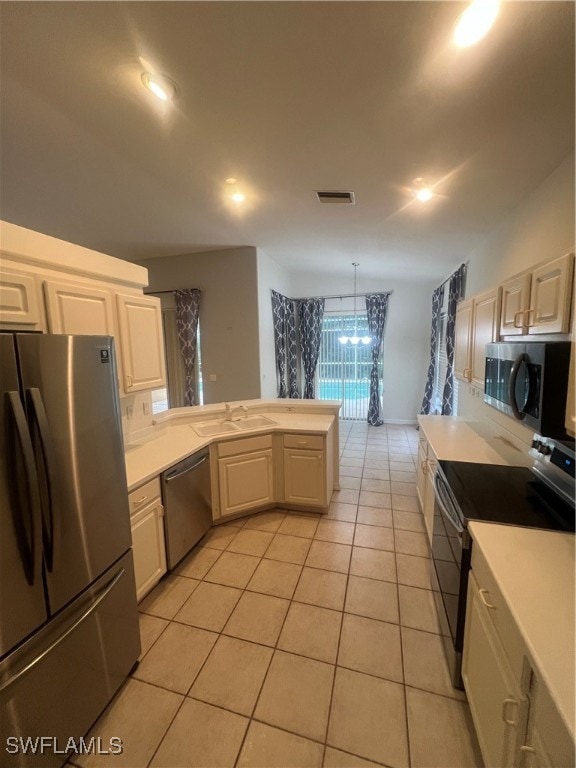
(529, 382)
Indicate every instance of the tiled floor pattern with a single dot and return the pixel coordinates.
(301, 640)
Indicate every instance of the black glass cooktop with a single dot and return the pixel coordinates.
(504, 494)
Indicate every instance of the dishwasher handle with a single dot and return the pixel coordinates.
(185, 471)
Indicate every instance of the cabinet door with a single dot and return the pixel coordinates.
(550, 296)
(78, 309)
(429, 496)
(497, 705)
(20, 307)
(515, 302)
(304, 477)
(148, 548)
(421, 471)
(245, 481)
(485, 328)
(141, 342)
(462, 340)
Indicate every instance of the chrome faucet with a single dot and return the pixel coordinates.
(230, 410)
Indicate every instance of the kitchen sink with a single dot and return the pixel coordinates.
(215, 428)
(253, 422)
(211, 428)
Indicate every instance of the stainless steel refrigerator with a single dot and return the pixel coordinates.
(68, 617)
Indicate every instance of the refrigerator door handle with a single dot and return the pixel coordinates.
(47, 473)
(29, 545)
(84, 615)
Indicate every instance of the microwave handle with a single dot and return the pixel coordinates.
(512, 386)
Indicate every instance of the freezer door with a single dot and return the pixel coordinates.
(22, 603)
(56, 685)
(71, 398)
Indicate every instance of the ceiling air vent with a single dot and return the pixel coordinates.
(344, 198)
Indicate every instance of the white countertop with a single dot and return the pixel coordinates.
(457, 439)
(535, 571)
(171, 441)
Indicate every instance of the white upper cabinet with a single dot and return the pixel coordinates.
(20, 304)
(538, 301)
(550, 295)
(79, 309)
(463, 337)
(141, 342)
(484, 331)
(515, 302)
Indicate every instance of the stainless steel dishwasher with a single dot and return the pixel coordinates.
(187, 501)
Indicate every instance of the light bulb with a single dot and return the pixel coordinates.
(238, 197)
(366, 339)
(343, 339)
(475, 22)
(424, 194)
(161, 86)
(355, 340)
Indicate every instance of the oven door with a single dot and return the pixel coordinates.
(451, 557)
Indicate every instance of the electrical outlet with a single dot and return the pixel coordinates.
(129, 412)
(146, 407)
(212, 377)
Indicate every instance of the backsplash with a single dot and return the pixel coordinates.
(137, 416)
(471, 405)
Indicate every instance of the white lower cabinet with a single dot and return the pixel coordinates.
(245, 475)
(304, 470)
(148, 545)
(497, 704)
(425, 484)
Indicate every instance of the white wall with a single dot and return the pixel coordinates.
(271, 276)
(406, 337)
(541, 228)
(228, 316)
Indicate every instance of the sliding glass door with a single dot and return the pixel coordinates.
(344, 369)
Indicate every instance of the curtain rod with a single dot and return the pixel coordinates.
(464, 263)
(341, 296)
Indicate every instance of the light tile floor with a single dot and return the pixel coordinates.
(299, 640)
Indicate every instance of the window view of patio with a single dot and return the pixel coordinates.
(344, 369)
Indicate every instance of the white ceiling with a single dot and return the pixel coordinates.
(288, 97)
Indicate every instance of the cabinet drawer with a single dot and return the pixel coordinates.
(244, 445)
(500, 614)
(304, 441)
(144, 495)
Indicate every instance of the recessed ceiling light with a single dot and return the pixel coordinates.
(231, 180)
(160, 85)
(238, 197)
(475, 22)
(424, 194)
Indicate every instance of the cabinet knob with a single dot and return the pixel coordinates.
(515, 321)
(528, 312)
(506, 704)
(483, 593)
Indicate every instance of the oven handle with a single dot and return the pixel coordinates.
(512, 386)
(442, 494)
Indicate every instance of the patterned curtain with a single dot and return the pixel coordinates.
(376, 310)
(187, 311)
(437, 300)
(285, 344)
(311, 312)
(455, 293)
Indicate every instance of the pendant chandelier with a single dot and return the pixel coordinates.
(355, 339)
